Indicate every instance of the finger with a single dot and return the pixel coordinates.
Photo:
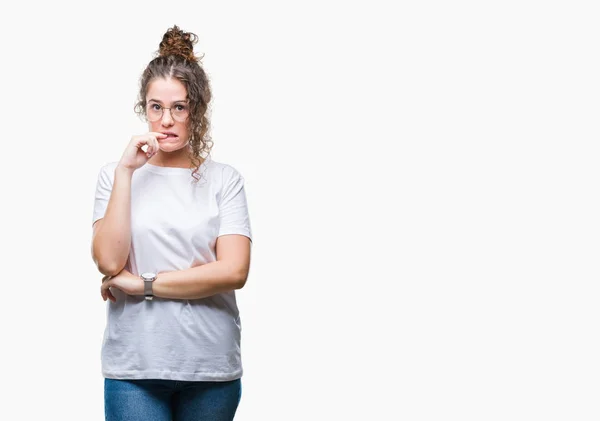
(149, 140)
(155, 143)
(152, 142)
(140, 141)
(106, 292)
(157, 134)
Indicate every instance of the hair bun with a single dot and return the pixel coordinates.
(176, 42)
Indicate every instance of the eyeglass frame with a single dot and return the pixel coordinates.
(162, 111)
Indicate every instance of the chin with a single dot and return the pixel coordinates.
(171, 148)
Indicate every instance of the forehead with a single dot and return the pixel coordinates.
(166, 90)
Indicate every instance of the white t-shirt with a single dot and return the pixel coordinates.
(174, 226)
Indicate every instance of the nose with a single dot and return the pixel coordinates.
(167, 118)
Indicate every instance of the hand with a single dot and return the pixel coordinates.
(134, 156)
(127, 282)
(107, 293)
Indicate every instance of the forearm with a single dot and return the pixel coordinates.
(112, 240)
(199, 282)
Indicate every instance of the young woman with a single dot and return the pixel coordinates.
(171, 234)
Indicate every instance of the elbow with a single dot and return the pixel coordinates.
(108, 266)
(240, 279)
(111, 270)
(109, 254)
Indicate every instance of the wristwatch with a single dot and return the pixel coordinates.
(148, 278)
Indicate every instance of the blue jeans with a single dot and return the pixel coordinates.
(166, 400)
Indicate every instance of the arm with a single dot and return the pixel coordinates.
(227, 273)
(111, 239)
(232, 249)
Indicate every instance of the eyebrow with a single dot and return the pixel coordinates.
(160, 102)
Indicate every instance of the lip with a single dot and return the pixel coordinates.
(170, 134)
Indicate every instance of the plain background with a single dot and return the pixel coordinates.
(422, 180)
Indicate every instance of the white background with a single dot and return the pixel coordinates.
(423, 188)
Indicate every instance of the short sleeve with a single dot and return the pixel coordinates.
(103, 191)
(233, 207)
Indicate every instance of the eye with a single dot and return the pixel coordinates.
(180, 107)
(155, 107)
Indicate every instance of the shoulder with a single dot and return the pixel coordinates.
(107, 172)
(222, 170)
(109, 167)
(226, 178)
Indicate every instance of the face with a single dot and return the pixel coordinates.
(168, 93)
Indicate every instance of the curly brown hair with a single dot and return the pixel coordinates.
(176, 60)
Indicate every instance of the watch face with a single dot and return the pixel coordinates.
(148, 275)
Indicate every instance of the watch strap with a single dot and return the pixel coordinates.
(148, 289)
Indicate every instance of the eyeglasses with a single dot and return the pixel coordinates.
(179, 112)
